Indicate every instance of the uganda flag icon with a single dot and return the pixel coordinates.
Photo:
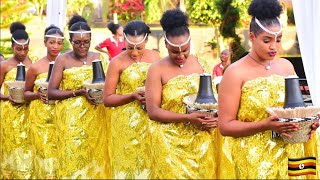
(302, 166)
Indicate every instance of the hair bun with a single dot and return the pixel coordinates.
(265, 9)
(52, 26)
(17, 26)
(75, 19)
(172, 19)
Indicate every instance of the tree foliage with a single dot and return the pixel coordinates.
(40, 5)
(14, 10)
(224, 16)
(129, 9)
(77, 6)
(203, 11)
(155, 8)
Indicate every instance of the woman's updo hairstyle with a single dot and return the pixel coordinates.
(266, 11)
(77, 23)
(18, 31)
(136, 28)
(113, 27)
(52, 29)
(175, 23)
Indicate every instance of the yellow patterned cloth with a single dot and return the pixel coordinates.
(259, 156)
(82, 131)
(16, 150)
(43, 136)
(179, 150)
(130, 156)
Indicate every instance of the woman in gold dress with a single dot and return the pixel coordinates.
(248, 87)
(183, 145)
(130, 156)
(16, 154)
(80, 123)
(42, 129)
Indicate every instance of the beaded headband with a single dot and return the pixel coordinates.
(79, 32)
(22, 44)
(135, 44)
(177, 45)
(267, 30)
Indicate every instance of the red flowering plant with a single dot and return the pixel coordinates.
(129, 9)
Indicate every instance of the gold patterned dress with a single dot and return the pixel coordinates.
(43, 136)
(130, 156)
(16, 150)
(259, 156)
(179, 150)
(82, 131)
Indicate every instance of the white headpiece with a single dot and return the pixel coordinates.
(267, 30)
(177, 45)
(79, 32)
(135, 44)
(22, 44)
(52, 36)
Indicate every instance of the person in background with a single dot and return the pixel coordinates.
(42, 130)
(225, 58)
(218, 70)
(115, 44)
(16, 151)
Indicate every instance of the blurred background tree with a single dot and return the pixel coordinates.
(224, 17)
(128, 10)
(155, 8)
(40, 6)
(14, 10)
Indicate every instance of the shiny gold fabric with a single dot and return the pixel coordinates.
(258, 156)
(43, 137)
(179, 150)
(82, 131)
(16, 151)
(130, 156)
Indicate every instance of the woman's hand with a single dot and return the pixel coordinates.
(210, 123)
(13, 102)
(314, 126)
(43, 97)
(282, 128)
(85, 94)
(140, 96)
(202, 121)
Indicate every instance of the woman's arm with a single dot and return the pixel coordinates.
(56, 77)
(110, 98)
(31, 76)
(153, 101)
(229, 101)
(3, 73)
(98, 48)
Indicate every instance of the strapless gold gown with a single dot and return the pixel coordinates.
(16, 151)
(82, 131)
(259, 156)
(179, 150)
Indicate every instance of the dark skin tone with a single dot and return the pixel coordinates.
(168, 68)
(20, 56)
(54, 46)
(122, 62)
(74, 58)
(264, 47)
